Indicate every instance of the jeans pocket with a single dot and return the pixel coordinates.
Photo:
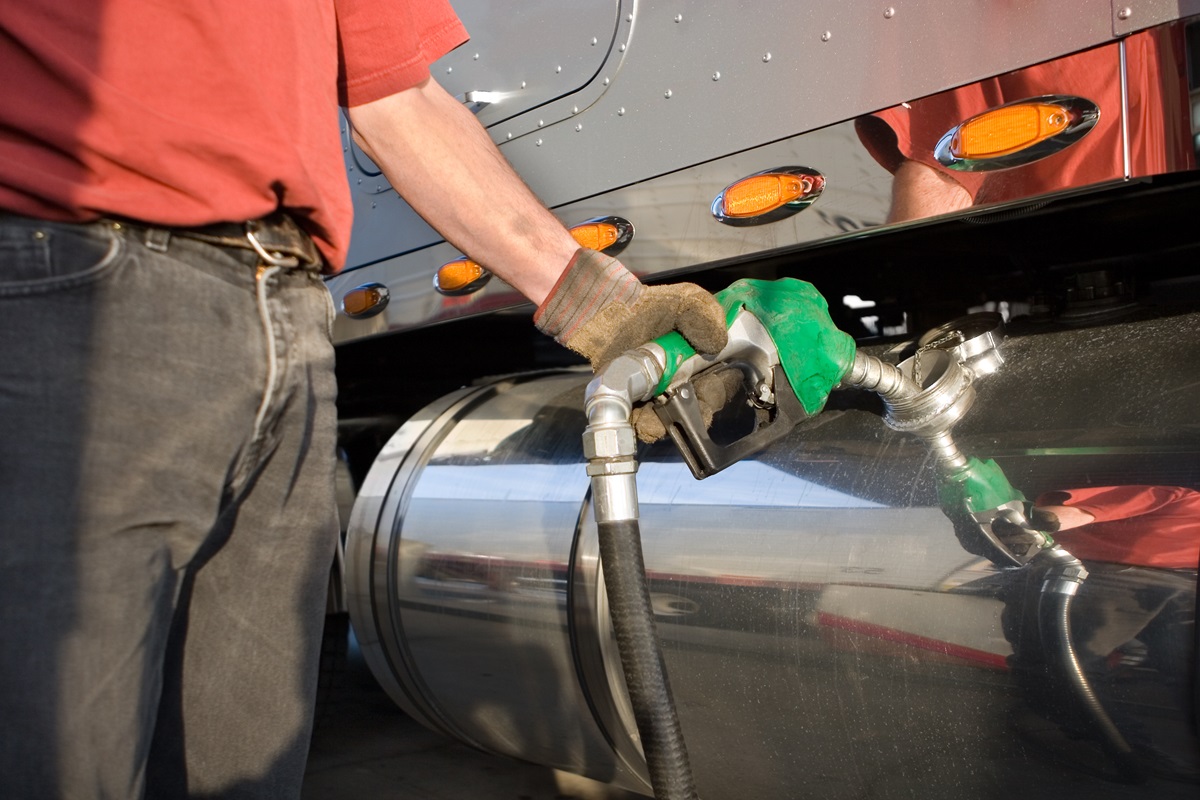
(39, 257)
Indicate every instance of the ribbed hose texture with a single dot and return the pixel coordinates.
(641, 659)
(1055, 628)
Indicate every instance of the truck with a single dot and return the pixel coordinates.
(1009, 187)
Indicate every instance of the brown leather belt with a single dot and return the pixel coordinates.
(277, 238)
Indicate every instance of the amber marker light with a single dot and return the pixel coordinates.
(1017, 133)
(365, 301)
(610, 235)
(461, 276)
(595, 236)
(763, 193)
(1009, 129)
(464, 276)
(768, 196)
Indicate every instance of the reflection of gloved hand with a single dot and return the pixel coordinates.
(600, 310)
(1019, 539)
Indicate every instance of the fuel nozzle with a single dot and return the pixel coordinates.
(789, 352)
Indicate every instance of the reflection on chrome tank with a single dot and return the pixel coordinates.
(827, 628)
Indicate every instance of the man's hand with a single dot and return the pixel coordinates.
(715, 388)
(599, 309)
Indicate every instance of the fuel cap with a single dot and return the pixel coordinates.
(975, 339)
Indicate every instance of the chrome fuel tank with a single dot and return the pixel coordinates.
(826, 629)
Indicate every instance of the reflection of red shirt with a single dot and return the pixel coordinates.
(1149, 526)
(911, 131)
(187, 112)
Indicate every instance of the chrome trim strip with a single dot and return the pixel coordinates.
(1125, 146)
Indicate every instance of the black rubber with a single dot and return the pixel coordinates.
(641, 660)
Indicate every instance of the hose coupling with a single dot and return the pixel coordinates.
(1066, 573)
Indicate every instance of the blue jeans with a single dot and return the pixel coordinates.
(167, 519)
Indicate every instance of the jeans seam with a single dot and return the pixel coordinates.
(330, 311)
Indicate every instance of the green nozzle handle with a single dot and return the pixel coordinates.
(813, 352)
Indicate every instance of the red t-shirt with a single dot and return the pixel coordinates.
(1150, 526)
(179, 112)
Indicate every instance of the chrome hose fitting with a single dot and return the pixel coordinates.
(926, 405)
(609, 442)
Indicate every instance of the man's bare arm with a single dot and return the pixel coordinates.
(442, 162)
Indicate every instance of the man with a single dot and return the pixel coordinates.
(170, 191)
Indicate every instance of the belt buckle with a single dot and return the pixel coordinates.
(274, 259)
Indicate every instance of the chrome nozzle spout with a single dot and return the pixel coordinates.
(927, 405)
(874, 375)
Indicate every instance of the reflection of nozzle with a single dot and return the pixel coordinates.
(926, 396)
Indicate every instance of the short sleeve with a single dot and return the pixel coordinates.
(1108, 503)
(386, 46)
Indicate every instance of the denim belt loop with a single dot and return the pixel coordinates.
(158, 239)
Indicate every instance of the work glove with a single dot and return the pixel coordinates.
(600, 310)
(715, 388)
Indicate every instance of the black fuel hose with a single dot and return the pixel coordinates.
(1054, 624)
(641, 660)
